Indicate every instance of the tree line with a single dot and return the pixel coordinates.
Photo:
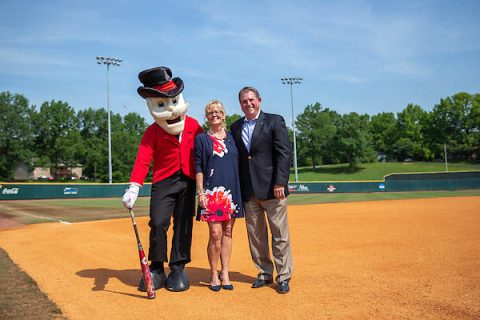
(54, 134)
(453, 125)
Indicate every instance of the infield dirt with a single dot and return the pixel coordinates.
(398, 259)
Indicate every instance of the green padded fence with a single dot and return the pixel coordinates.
(24, 191)
(392, 183)
(396, 183)
(433, 181)
(322, 187)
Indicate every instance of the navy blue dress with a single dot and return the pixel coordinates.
(217, 159)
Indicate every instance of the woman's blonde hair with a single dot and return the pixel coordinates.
(220, 107)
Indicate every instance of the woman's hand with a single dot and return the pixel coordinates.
(202, 200)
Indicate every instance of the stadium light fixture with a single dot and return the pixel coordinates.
(291, 81)
(108, 61)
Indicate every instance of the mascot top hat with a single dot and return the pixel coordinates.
(164, 98)
(158, 82)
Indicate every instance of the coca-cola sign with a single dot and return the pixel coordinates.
(10, 190)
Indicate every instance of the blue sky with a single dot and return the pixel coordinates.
(354, 56)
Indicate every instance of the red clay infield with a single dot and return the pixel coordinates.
(399, 259)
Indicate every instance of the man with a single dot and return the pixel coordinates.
(264, 156)
(168, 145)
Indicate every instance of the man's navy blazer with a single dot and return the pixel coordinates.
(268, 162)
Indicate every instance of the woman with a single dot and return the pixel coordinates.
(218, 191)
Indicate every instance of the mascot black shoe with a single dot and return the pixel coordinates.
(177, 279)
(158, 277)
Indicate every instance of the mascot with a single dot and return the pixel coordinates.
(167, 145)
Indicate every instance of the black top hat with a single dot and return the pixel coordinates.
(158, 82)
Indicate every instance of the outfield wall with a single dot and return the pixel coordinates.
(391, 183)
(25, 191)
(449, 181)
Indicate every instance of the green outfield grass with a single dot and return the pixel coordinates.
(375, 171)
(300, 199)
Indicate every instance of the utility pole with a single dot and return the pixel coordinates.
(291, 81)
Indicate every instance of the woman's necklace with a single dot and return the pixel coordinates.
(214, 134)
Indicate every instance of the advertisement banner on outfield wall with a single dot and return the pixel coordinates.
(334, 187)
(25, 191)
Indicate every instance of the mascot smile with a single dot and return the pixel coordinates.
(169, 113)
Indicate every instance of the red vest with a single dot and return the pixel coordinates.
(166, 152)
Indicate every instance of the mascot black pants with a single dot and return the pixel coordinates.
(174, 196)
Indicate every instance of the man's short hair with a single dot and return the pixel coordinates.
(246, 89)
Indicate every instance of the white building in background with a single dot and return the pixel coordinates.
(42, 173)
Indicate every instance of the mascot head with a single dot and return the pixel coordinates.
(164, 98)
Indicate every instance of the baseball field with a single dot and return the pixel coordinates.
(390, 259)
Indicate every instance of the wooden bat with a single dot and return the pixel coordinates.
(147, 276)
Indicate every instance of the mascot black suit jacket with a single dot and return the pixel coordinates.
(268, 162)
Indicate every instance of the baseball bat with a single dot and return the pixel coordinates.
(147, 276)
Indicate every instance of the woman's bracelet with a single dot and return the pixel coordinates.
(200, 194)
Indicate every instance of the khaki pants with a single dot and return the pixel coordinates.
(257, 213)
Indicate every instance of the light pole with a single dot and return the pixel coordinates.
(291, 81)
(114, 62)
(445, 152)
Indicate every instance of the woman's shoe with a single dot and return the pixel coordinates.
(227, 286)
(215, 288)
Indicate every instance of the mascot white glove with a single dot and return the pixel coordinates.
(131, 195)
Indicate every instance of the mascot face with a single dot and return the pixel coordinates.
(168, 113)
